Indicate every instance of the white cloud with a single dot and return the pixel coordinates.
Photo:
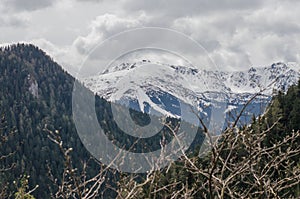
(105, 26)
(69, 58)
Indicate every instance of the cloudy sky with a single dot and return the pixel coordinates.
(235, 33)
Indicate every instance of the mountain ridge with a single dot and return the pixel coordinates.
(143, 84)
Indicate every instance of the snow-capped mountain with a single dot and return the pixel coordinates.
(163, 89)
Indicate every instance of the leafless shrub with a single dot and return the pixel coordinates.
(75, 184)
(239, 165)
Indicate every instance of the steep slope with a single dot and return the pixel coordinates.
(35, 92)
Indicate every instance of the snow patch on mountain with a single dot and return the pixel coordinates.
(154, 87)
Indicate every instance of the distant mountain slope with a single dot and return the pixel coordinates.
(164, 87)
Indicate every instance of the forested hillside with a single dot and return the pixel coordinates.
(36, 94)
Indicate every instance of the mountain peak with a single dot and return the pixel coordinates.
(279, 64)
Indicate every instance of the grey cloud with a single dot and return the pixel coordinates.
(96, 1)
(189, 7)
(13, 21)
(280, 28)
(210, 45)
(29, 5)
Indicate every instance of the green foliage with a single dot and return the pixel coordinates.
(22, 187)
(285, 111)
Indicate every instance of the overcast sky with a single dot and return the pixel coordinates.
(236, 34)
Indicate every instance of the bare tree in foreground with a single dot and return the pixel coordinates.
(242, 163)
(74, 184)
